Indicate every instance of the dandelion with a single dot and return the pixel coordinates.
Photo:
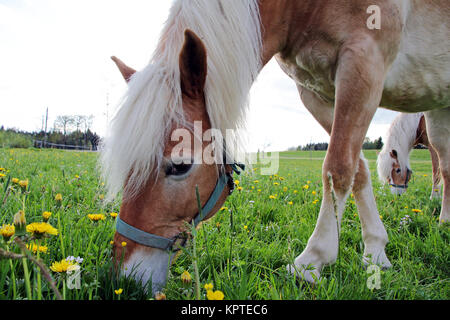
(35, 248)
(306, 187)
(124, 244)
(416, 210)
(315, 201)
(290, 203)
(295, 191)
(214, 295)
(208, 286)
(186, 277)
(256, 181)
(23, 184)
(160, 296)
(224, 209)
(58, 197)
(281, 179)
(7, 231)
(118, 291)
(259, 190)
(2, 169)
(64, 266)
(272, 197)
(314, 193)
(2, 175)
(46, 215)
(381, 217)
(113, 214)
(39, 229)
(285, 189)
(111, 242)
(276, 184)
(15, 180)
(239, 189)
(96, 217)
(101, 197)
(236, 182)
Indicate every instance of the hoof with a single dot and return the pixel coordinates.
(380, 260)
(304, 274)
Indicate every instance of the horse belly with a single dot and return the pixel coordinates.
(419, 78)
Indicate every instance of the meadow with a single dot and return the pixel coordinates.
(242, 251)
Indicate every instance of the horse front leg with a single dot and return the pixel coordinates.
(359, 85)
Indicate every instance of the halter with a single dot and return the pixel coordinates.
(174, 244)
(405, 185)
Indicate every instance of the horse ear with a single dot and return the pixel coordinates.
(125, 70)
(394, 154)
(193, 65)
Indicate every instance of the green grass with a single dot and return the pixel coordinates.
(244, 249)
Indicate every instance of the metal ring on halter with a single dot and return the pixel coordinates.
(176, 243)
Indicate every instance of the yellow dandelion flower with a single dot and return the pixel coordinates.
(7, 231)
(15, 180)
(223, 209)
(113, 214)
(259, 190)
(39, 229)
(64, 266)
(315, 201)
(236, 182)
(290, 203)
(118, 291)
(314, 193)
(159, 296)
(96, 217)
(416, 210)
(239, 189)
(2, 175)
(306, 187)
(46, 215)
(19, 219)
(276, 184)
(111, 242)
(215, 295)
(186, 277)
(272, 197)
(381, 217)
(23, 183)
(285, 189)
(34, 248)
(58, 197)
(209, 286)
(295, 191)
(101, 197)
(256, 181)
(124, 244)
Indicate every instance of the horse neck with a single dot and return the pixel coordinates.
(402, 135)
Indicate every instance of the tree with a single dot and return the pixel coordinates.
(63, 123)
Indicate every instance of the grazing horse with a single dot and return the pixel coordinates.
(406, 131)
(347, 58)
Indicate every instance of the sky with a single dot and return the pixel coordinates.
(55, 54)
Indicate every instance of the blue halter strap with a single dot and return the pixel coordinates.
(155, 241)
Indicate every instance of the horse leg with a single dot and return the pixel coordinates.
(359, 85)
(436, 191)
(439, 136)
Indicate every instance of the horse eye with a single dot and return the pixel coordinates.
(398, 170)
(177, 169)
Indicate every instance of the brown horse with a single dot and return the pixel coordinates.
(347, 58)
(406, 131)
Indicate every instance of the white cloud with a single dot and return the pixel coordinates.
(56, 53)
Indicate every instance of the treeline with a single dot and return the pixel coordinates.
(376, 144)
(69, 132)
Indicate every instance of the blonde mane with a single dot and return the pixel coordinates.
(135, 142)
(400, 137)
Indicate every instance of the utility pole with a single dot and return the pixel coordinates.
(45, 130)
